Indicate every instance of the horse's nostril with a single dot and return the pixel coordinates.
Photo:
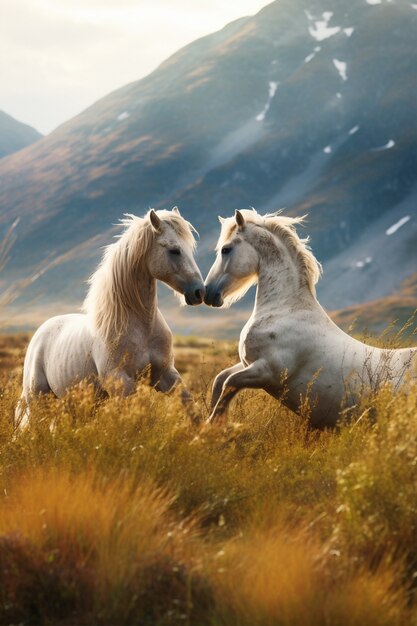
(198, 294)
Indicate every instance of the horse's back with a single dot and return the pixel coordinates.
(59, 354)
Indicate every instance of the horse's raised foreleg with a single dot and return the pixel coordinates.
(256, 376)
(219, 381)
(165, 380)
(170, 379)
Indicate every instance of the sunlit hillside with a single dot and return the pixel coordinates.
(399, 308)
(122, 512)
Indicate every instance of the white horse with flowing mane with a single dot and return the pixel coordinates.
(122, 330)
(290, 347)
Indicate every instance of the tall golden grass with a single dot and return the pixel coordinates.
(121, 512)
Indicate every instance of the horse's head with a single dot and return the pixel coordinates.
(236, 265)
(249, 242)
(171, 255)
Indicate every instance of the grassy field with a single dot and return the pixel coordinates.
(124, 513)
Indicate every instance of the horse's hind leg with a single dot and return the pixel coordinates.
(38, 384)
(219, 381)
(255, 376)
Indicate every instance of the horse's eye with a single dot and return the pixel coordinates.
(175, 251)
(227, 250)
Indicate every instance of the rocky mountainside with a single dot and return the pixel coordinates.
(310, 105)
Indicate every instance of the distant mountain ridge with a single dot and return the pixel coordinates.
(14, 135)
(301, 105)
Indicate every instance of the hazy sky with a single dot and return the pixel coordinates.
(59, 56)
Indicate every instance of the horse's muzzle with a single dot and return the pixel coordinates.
(195, 295)
(213, 297)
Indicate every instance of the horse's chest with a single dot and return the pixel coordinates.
(142, 359)
(160, 351)
(147, 348)
(151, 354)
(133, 356)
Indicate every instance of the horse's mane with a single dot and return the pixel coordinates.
(115, 286)
(283, 227)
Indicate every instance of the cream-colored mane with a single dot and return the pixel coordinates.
(115, 288)
(284, 228)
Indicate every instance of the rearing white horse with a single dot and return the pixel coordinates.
(290, 347)
(122, 330)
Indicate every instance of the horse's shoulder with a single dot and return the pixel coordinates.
(256, 337)
(260, 327)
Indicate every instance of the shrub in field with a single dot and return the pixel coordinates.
(35, 586)
(100, 551)
(267, 455)
(88, 551)
(377, 493)
(286, 577)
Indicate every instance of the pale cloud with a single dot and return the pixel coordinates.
(59, 56)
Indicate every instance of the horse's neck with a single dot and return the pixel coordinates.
(283, 292)
(280, 283)
(142, 315)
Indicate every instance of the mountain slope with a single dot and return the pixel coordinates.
(396, 313)
(297, 106)
(14, 135)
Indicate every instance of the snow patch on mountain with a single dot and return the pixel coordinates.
(273, 86)
(361, 264)
(390, 144)
(341, 67)
(320, 29)
(311, 56)
(393, 229)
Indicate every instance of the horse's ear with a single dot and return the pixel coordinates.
(240, 220)
(176, 210)
(155, 220)
(221, 219)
